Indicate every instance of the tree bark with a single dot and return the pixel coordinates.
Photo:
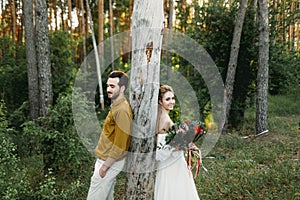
(235, 46)
(70, 15)
(100, 24)
(62, 15)
(263, 68)
(96, 54)
(147, 26)
(31, 62)
(83, 34)
(111, 31)
(170, 27)
(43, 57)
(14, 20)
(55, 14)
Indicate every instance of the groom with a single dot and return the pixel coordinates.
(114, 140)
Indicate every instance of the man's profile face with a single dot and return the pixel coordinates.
(112, 88)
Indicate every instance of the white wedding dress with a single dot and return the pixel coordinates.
(174, 181)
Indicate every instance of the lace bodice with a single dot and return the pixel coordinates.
(163, 150)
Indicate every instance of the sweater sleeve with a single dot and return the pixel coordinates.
(122, 136)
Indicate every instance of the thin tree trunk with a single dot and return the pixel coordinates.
(170, 27)
(62, 14)
(43, 57)
(292, 27)
(70, 15)
(111, 30)
(147, 26)
(31, 62)
(1, 18)
(235, 46)
(51, 12)
(263, 69)
(100, 24)
(55, 14)
(96, 55)
(254, 6)
(14, 20)
(83, 35)
(21, 26)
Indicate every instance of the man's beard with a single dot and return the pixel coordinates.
(115, 96)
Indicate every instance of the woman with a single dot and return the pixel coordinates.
(174, 181)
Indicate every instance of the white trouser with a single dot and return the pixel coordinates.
(103, 188)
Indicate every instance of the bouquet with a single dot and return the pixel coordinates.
(183, 133)
(182, 137)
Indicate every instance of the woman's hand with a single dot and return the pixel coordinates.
(192, 146)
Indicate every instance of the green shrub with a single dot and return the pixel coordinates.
(56, 139)
(55, 159)
(13, 181)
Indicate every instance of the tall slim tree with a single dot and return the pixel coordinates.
(111, 31)
(91, 24)
(83, 32)
(14, 20)
(32, 71)
(55, 14)
(100, 24)
(263, 68)
(43, 57)
(235, 46)
(70, 15)
(62, 15)
(147, 26)
(170, 27)
(21, 23)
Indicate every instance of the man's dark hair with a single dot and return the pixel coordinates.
(122, 76)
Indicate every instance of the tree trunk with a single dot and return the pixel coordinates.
(235, 46)
(111, 31)
(83, 35)
(14, 20)
(70, 15)
(263, 69)
(100, 24)
(32, 71)
(55, 14)
(292, 28)
(43, 57)
(147, 26)
(254, 6)
(96, 55)
(20, 28)
(170, 27)
(62, 15)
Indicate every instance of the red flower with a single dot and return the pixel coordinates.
(186, 132)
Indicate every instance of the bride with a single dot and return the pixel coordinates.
(174, 181)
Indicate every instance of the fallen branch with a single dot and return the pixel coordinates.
(256, 135)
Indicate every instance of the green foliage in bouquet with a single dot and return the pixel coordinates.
(183, 133)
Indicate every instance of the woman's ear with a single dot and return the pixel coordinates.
(159, 102)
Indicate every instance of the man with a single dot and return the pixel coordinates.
(114, 140)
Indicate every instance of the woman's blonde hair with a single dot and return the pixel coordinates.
(163, 89)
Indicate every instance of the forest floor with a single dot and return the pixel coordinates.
(264, 167)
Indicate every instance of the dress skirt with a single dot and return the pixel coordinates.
(174, 181)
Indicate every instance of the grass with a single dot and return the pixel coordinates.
(262, 168)
(266, 167)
